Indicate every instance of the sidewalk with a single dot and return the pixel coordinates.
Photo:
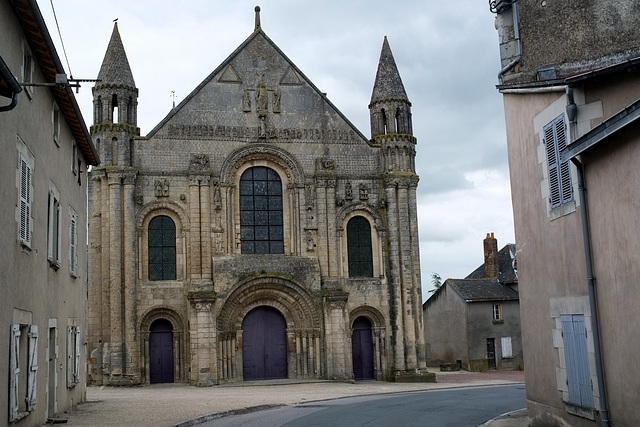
(171, 404)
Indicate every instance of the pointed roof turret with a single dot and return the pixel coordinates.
(115, 65)
(388, 84)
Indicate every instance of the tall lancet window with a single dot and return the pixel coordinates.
(261, 225)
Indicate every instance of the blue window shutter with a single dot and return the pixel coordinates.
(577, 360)
(555, 140)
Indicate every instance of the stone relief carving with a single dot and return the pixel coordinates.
(276, 100)
(217, 198)
(246, 101)
(348, 191)
(162, 187)
(364, 192)
(199, 162)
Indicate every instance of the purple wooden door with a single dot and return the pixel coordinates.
(362, 349)
(264, 345)
(161, 352)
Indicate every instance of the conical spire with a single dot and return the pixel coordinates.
(115, 66)
(388, 84)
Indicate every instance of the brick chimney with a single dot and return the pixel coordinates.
(491, 267)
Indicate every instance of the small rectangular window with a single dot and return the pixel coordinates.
(507, 351)
(27, 69)
(56, 124)
(73, 354)
(75, 163)
(53, 228)
(497, 313)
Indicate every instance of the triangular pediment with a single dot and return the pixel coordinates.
(271, 100)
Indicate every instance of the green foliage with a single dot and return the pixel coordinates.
(436, 281)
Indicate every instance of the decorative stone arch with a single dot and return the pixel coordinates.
(379, 332)
(377, 232)
(292, 177)
(181, 221)
(302, 316)
(229, 173)
(180, 338)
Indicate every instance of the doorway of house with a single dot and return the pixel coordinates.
(264, 344)
(362, 349)
(161, 352)
(53, 361)
(491, 352)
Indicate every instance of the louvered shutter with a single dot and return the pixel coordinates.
(555, 140)
(32, 377)
(574, 334)
(73, 255)
(70, 357)
(14, 372)
(25, 201)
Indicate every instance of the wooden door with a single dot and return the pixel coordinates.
(264, 345)
(362, 349)
(161, 352)
(491, 352)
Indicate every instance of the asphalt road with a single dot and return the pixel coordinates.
(459, 407)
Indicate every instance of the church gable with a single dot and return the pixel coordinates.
(258, 95)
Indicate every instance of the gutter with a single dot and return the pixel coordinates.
(13, 84)
(516, 34)
(591, 284)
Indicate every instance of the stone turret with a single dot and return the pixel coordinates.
(390, 112)
(115, 106)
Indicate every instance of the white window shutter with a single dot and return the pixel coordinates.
(32, 378)
(506, 347)
(76, 365)
(70, 358)
(14, 368)
(73, 244)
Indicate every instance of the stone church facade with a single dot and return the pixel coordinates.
(254, 233)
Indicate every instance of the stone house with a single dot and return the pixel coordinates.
(254, 233)
(46, 148)
(475, 321)
(571, 87)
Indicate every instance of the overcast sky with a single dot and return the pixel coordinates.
(446, 52)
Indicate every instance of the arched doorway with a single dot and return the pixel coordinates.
(161, 352)
(362, 349)
(264, 344)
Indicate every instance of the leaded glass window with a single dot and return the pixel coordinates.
(162, 248)
(261, 225)
(359, 247)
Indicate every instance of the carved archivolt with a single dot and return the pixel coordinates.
(272, 154)
(165, 206)
(292, 300)
(161, 312)
(373, 314)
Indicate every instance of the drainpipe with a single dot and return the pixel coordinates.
(14, 86)
(516, 34)
(591, 285)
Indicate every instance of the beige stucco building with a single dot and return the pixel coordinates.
(254, 233)
(46, 149)
(571, 92)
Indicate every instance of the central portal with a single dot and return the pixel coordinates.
(264, 344)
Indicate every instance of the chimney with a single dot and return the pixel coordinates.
(491, 267)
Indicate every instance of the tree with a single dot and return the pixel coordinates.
(436, 281)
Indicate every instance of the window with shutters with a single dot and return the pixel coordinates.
(23, 370)
(162, 248)
(53, 228)
(560, 185)
(73, 354)
(359, 250)
(25, 198)
(574, 337)
(73, 242)
(261, 218)
(27, 69)
(56, 124)
(507, 351)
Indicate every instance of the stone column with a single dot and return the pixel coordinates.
(321, 220)
(195, 214)
(395, 296)
(205, 228)
(407, 288)
(331, 228)
(416, 280)
(204, 343)
(337, 336)
(132, 352)
(115, 276)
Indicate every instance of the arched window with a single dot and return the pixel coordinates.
(261, 226)
(359, 247)
(162, 248)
